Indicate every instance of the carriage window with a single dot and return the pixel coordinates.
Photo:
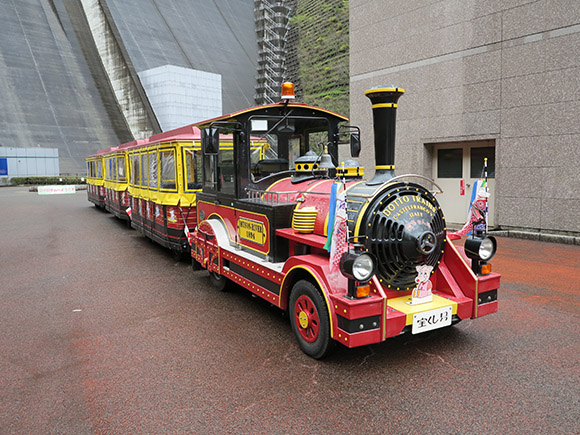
(144, 170)
(153, 169)
(100, 169)
(136, 174)
(192, 168)
(114, 169)
(121, 168)
(108, 168)
(167, 162)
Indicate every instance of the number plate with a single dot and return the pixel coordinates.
(432, 319)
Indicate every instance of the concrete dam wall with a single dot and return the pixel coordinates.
(69, 69)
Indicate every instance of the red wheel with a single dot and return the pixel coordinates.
(310, 320)
(306, 317)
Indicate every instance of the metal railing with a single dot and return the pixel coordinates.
(271, 198)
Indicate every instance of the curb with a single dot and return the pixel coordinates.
(534, 235)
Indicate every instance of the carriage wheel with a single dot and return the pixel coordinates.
(220, 282)
(310, 320)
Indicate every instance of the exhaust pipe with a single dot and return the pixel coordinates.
(384, 103)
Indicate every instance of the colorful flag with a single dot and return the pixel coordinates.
(339, 244)
(331, 213)
(477, 208)
(128, 211)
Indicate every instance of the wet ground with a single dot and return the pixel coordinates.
(102, 331)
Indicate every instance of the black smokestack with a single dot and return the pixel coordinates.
(384, 100)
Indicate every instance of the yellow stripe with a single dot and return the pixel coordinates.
(359, 221)
(384, 105)
(374, 90)
(385, 167)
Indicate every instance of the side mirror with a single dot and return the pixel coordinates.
(210, 140)
(355, 144)
(354, 135)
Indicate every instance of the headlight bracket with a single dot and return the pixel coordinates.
(473, 246)
(352, 259)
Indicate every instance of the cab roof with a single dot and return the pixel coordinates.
(249, 111)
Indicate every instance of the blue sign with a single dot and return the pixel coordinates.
(3, 166)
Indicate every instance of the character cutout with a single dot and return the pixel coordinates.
(422, 291)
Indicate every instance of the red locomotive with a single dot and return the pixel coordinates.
(269, 227)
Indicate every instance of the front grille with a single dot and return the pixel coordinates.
(393, 225)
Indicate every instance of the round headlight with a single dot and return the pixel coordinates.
(363, 267)
(480, 248)
(486, 249)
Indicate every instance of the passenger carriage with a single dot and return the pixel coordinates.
(96, 179)
(117, 180)
(164, 178)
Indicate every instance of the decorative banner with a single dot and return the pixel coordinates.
(477, 209)
(56, 190)
(339, 242)
(331, 213)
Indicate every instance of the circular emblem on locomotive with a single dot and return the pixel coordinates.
(403, 227)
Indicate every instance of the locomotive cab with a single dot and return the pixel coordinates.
(302, 146)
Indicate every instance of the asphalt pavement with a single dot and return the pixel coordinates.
(102, 331)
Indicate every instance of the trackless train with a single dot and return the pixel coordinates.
(352, 261)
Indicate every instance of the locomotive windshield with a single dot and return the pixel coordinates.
(264, 142)
(288, 138)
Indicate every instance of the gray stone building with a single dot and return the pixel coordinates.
(496, 79)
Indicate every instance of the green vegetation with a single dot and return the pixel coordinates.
(45, 181)
(323, 53)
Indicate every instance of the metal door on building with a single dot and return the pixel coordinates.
(456, 167)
